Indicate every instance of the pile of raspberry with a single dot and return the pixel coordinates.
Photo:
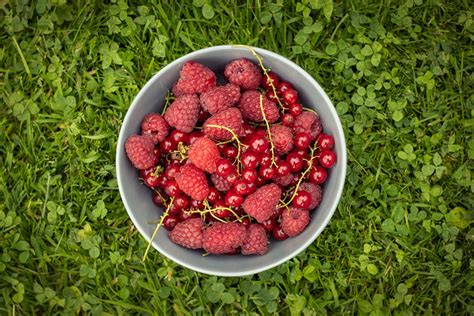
(232, 165)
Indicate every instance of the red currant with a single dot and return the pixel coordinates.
(151, 180)
(193, 136)
(170, 222)
(247, 130)
(184, 215)
(269, 224)
(283, 168)
(325, 142)
(327, 158)
(284, 86)
(197, 205)
(259, 143)
(181, 201)
(213, 195)
(230, 152)
(224, 167)
(295, 161)
(162, 181)
(260, 181)
(222, 213)
(265, 160)
(290, 96)
(295, 109)
(271, 96)
(241, 187)
(156, 198)
(302, 199)
(278, 233)
(171, 188)
(318, 175)
(266, 173)
(287, 119)
(232, 198)
(270, 80)
(246, 222)
(178, 136)
(232, 177)
(172, 170)
(251, 187)
(203, 116)
(249, 159)
(167, 145)
(249, 175)
(302, 140)
(156, 152)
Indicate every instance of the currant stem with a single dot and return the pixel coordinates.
(234, 136)
(157, 227)
(272, 149)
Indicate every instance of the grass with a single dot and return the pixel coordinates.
(400, 75)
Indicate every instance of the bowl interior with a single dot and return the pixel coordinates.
(137, 197)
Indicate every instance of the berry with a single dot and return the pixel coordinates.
(302, 140)
(294, 221)
(290, 96)
(197, 205)
(270, 80)
(284, 180)
(162, 181)
(243, 73)
(325, 142)
(223, 237)
(220, 183)
(203, 116)
(278, 233)
(266, 173)
(230, 118)
(327, 158)
(232, 177)
(260, 181)
(156, 199)
(251, 187)
(283, 168)
(170, 222)
(265, 160)
(318, 175)
(287, 119)
(167, 146)
(193, 136)
(188, 233)
(204, 154)
(220, 98)
(194, 78)
(172, 170)
(284, 86)
(302, 200)
(308, 122)
(282, 138)
(249, 159)
(262, 203)
(256, 242)
(178, 137)
(295, 109)
(222, 212)
(269, 224)
(315, 191)
(272, 96)
(247, 130)
(155, 126)
(241, 187)
(185, 215)
(234, 199)
(171, 188)
(181, 202)
(182, 114)
(140, 152)
(224, 167)
(295, 161)
(151, 180)
(192, 181)
(246, 222)
(213, 195)
(249, 105)
(249, 175)
(259, 143)
(230, 152)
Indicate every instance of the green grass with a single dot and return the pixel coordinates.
(400, 74)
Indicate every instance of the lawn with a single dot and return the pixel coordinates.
(400, 74)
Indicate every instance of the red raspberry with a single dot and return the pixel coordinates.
(221, 183)
(192, 181)
(230, 118)
(282, 138)
(243, 73)
(256, 242)
(249, 105)
(294, 221)
(284, 180)
(194, 78)
(308, 122)
(262, 203)
(220, 98)
(188, 233)
(183, 113)
(204, 154)
(223, 238)
(315, 191)
(140, 151)
(155, 126)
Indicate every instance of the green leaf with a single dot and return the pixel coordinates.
(327, 9)
(265, 17)
(227, 298)
(388, 225)
(375, 59)
(199, 3)
(372, 269)
(397, 116)
(331, 49)
(208, 11)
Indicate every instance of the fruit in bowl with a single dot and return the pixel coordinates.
(237, 159)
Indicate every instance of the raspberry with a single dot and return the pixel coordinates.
(283, 180)
(294, 221)
(244, 73)
(155, 126)
(221, 183)
(256, 242)
(308, 122)
(230, 118)
(262, 203)
(204, 154)
(282, 138)
(194, 78)
(192, 181)
(183, 113)
(188, 233)
(249, 105)
(220, 98)
(140, 151)
(223, 237)
(315, 191)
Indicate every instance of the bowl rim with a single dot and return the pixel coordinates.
(341, 160)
